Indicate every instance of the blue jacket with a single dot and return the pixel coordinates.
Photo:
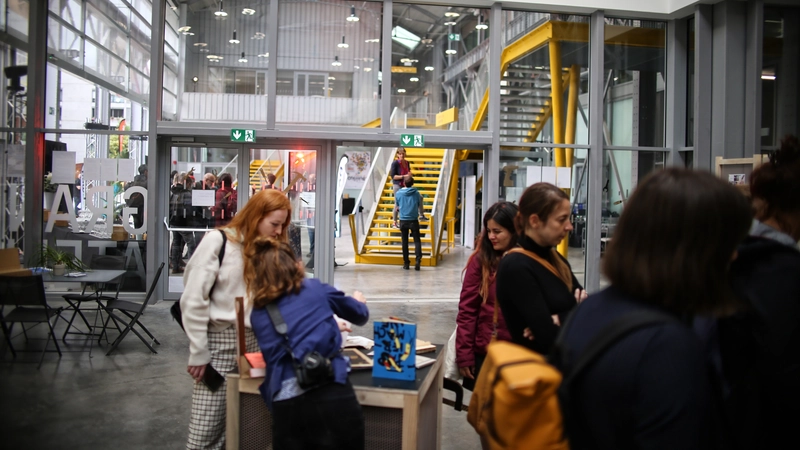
(309, 317)
(409, 203)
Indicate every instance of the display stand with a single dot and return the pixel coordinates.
(401, 415)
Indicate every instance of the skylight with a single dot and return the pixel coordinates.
(405, 38)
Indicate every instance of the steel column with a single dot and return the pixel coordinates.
(557, 99)
(752, 79)
(35, 114)
(703, 78)
(595, 165)
(491, 158)
(386, 66)
(156, 234)
(323, 213)
(272, 68)
(676, 90)
(572, 111)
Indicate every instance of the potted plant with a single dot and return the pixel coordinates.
(49, 188)
(57, 260)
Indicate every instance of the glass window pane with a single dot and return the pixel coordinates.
(107, 33)
(348, 48)
(170, 81)
(439, 62)
(70, 11)
(139, 83)
(17, 19)
(541, 101)
(780, 76)
(216, 47)
(690, 85)
(64, 43)
(140, 58)
(636, 61)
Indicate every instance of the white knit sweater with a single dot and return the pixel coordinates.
(202, 314)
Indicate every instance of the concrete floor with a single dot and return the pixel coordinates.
(137, 400)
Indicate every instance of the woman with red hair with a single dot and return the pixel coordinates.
(207, 304)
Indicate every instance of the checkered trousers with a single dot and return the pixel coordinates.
(207, 424)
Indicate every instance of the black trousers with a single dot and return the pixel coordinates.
(326, 418)
(405, 227)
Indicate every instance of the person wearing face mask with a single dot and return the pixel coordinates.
(536, 288)
(478, 320)
(209, 314)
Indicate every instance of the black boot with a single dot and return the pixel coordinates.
(416, 266)
(405, 266)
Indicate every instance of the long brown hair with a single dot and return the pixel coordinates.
(244, 224)
(272, 271)
(675, 241)
(542, 199)
(503, 213)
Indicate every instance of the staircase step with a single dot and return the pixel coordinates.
(526, 88)
(391, 198)
(398, 248)
(395, 238)
(388, 222)
(521, 108)
(423, 231)
(418, 159)
(388, 206)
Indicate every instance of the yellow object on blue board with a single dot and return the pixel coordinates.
(395, 341)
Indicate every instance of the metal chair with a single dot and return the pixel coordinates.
(98, 262)
(133, 312)
(26, 294)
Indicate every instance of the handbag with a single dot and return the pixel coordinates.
(175, 309)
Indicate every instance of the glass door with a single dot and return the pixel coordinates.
(294, 172)
(202, 195)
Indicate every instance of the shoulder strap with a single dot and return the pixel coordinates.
(610, 334)
(541, 261)
(222, 248)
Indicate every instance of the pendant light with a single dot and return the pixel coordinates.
(353, 17)
(336, 62)
(243, 59)
(343, 44)
(233, 40)
(221, 12)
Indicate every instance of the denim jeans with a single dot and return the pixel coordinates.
(413, 227)
(326, 418)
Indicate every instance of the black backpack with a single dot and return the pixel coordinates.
(175, 309)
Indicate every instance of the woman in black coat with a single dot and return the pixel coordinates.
(760, 346)
(535, 285)
(669, 258)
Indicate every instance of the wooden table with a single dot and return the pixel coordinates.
(401, 415)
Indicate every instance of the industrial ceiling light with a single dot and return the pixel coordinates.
(332, 78)
(233, 40)
(258, 35)
(184, 29)
(342, 44)
(481, 25)
(372, 41)
(200, 44)
(451, 14)
(242, 59)
(429, 68)
(450, 51)
(367, 69)
(353, 17)
(263, 55)
(413, 79)
(336, 62)
(449, 23)
(203, 50)
(221, 12)
(248, 11)
(401, 91)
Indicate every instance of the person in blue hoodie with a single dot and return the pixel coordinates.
(409, 205)
(322, 411)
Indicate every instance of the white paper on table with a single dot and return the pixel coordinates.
(422, 361)
(564, 177)
(91, 169)
(549, 175)
(534, 174)
(203, 197)
(359, 341)
(108, 169)
(63, 168)
(126, 170)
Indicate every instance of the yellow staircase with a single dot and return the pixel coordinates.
(383, 243)
(259, 169)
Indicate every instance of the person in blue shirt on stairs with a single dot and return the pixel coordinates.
(409, 205)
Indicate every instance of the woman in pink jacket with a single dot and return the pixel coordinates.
(477, 321)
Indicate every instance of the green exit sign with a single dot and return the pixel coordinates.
(454, 36)
(241, 135)
(412, 140)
